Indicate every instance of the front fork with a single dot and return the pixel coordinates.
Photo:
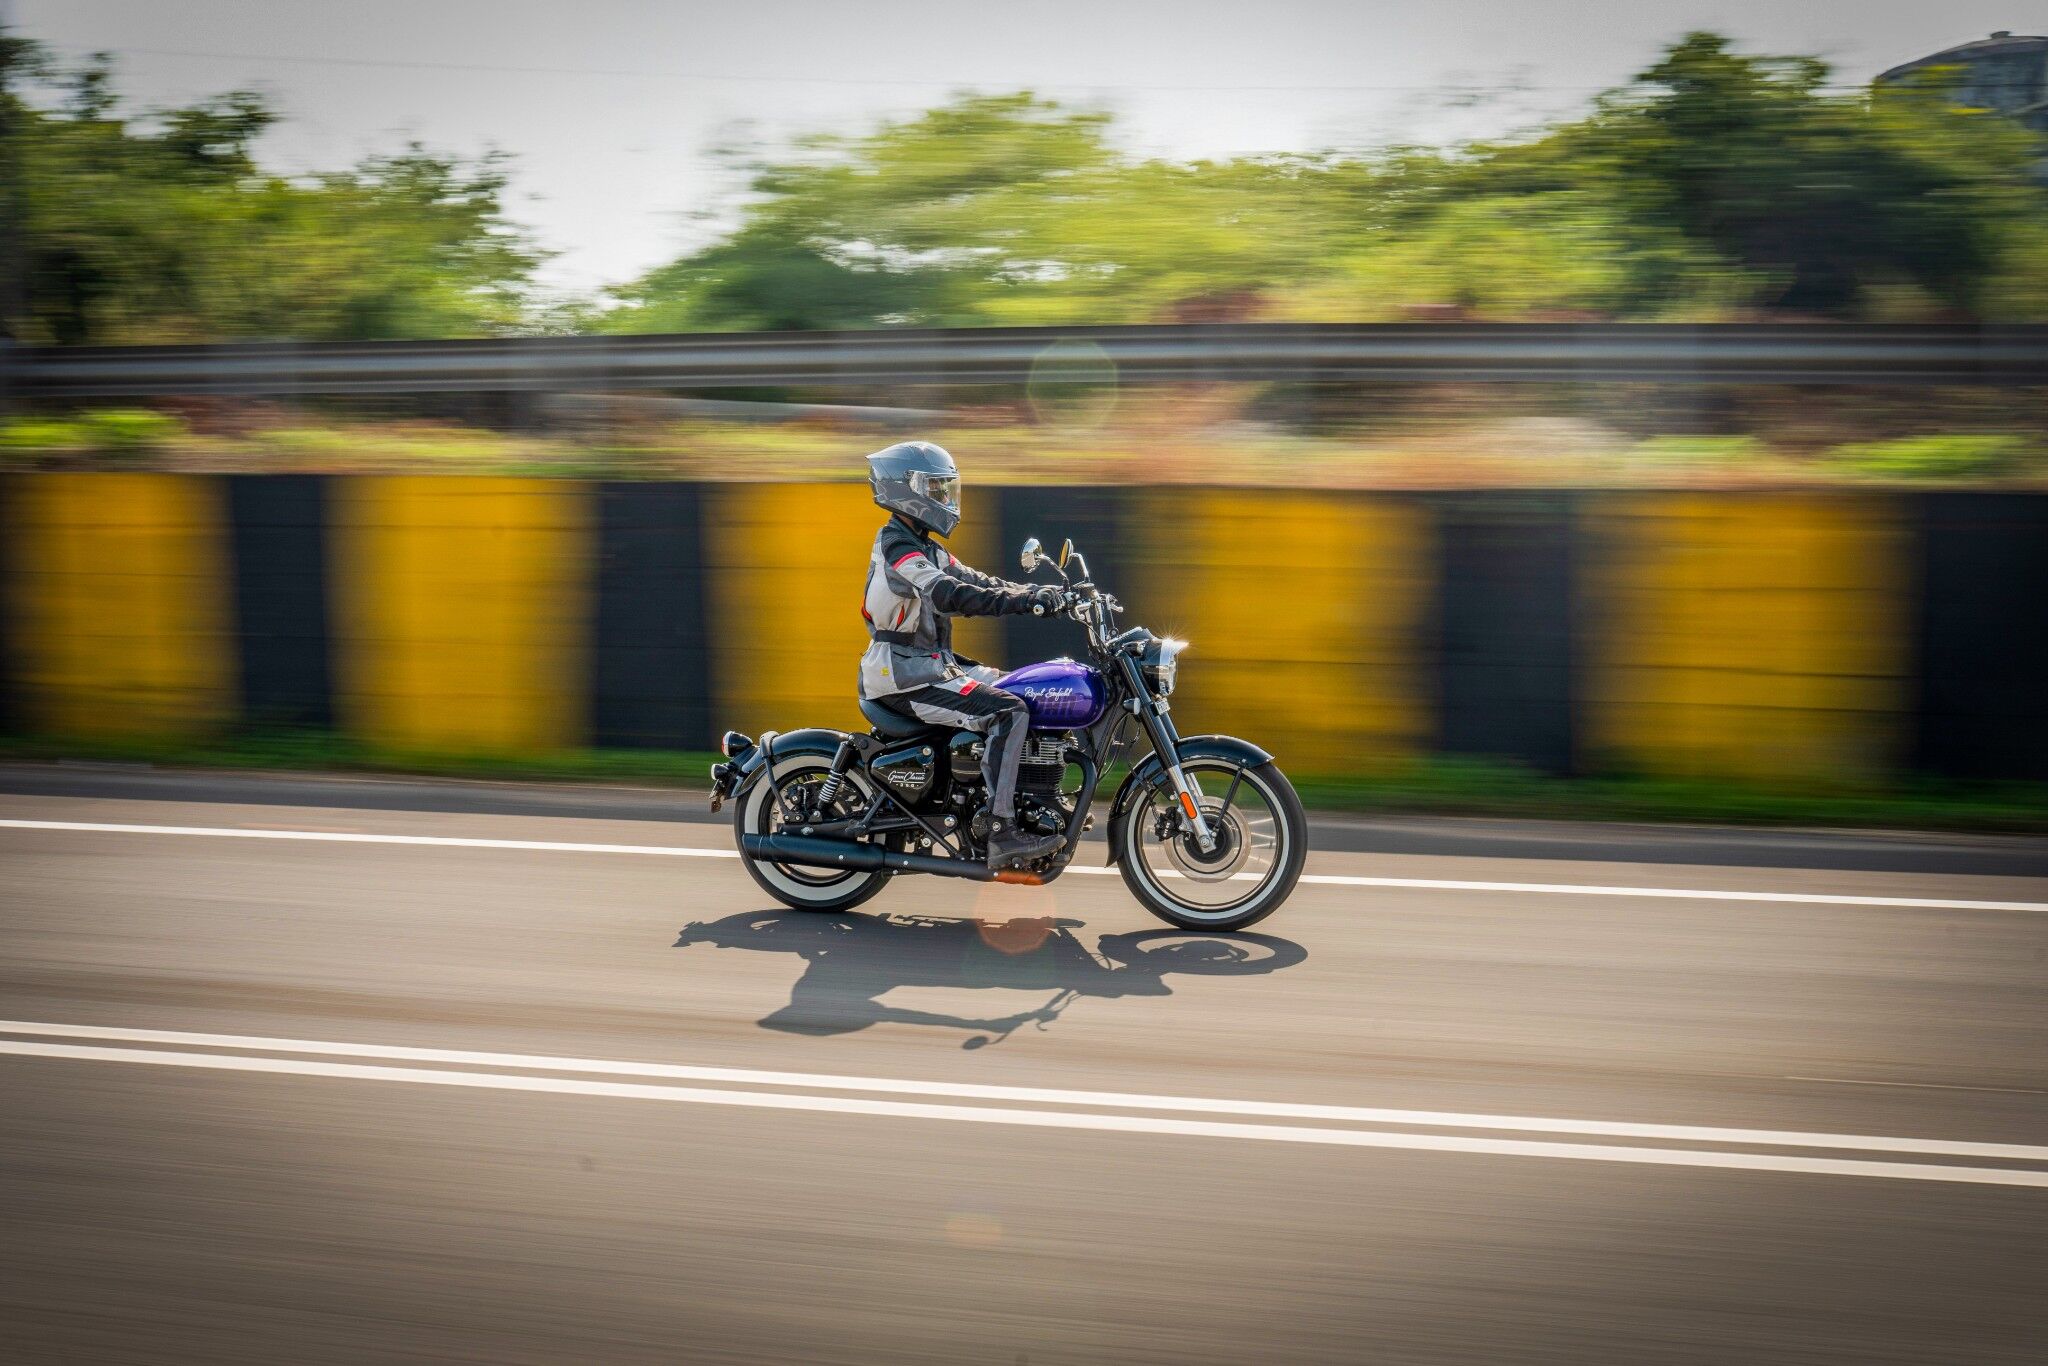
(1166, 740)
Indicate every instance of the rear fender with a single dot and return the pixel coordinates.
(1151, 772)
(814, 741)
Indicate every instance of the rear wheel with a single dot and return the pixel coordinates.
(1261, 843)
(757, 812)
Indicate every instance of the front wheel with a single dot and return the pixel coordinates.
(1261, 843)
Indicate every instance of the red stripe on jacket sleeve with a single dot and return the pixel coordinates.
(907, 555)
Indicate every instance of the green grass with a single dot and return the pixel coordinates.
(1953, 457)
(1436, 786)
(117, 433)
(1149, 438)
(1464, 787)
(322, 753)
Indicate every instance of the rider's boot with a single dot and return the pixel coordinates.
(1009, 844)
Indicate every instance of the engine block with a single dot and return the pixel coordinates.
(1043, 766)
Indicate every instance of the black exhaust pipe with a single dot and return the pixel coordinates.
(805, 851)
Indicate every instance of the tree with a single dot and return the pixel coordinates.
(1132, 242)
(912, 223)
(1506, 257)
(1835, 195)
(988, 210)
(20, 61)
(1714, 184)
(164, 227)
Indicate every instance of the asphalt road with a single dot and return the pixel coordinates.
(443, 1090)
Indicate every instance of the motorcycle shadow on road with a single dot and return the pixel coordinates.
(853, 959)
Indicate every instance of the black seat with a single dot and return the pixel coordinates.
(891, 722)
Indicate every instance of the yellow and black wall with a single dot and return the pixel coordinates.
(1783, 637)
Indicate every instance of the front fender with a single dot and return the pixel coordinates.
(1151, 772)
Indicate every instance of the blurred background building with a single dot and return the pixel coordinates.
(2006, 72)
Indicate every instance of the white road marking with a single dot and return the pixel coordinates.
(1316, 879)
(1044, 1119)
(343, 837)
(1922, 1085)
(824, 1081)
(1679, 893)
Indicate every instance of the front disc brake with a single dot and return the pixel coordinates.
(1221, 863)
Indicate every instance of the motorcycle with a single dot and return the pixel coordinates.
(1205, 829)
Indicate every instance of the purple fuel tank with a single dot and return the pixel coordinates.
(1062, 694)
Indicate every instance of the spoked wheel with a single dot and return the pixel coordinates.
(758, 813)
(1261, 844)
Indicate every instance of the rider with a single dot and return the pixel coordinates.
(914, 589)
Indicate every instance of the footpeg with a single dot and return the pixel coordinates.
(1008, 845)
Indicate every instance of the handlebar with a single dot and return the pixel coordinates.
(1094, 611)
(1083, 602)
(1081, 607)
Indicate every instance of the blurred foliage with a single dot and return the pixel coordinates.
(1827, 196)
(121, 433)
(161, 227)
(1701, 450)
(1555, 255)
(1169, 438)
(1936, 457)
(1714, 185)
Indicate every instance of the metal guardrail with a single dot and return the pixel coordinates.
(1775, 353)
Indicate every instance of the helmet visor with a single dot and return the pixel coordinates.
(943, 489)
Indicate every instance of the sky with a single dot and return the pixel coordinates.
(612, 108)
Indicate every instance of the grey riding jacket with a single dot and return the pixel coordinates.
(915, 588)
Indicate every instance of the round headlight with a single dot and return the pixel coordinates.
(1161, 664)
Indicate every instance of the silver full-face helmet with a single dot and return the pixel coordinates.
(919, 480)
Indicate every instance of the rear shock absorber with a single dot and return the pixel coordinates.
(829, 789)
